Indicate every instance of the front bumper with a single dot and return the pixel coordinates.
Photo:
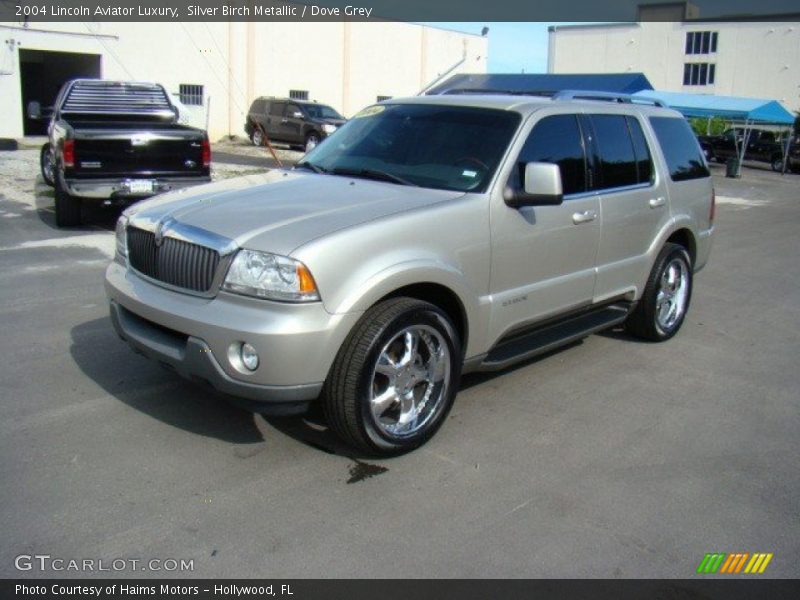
(197, 338)
(121, 188)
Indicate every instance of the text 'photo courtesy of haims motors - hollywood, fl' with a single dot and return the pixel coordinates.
(431, 300)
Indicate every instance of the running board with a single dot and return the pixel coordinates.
(553, 335)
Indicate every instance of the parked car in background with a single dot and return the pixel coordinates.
(299, 123)
(117, 140)
(762, 146)
(430, 236)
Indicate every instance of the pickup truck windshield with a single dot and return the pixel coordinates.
(435, 146)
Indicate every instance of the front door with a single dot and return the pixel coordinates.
(543, 257)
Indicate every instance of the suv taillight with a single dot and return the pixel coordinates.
(206, 153)
(68, 153)
(713, 211)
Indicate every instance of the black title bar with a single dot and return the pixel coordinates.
(42, 11)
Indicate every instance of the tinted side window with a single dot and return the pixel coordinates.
(276, 109)
(615, 150)
(681, 150)
(644, 163)
(556, 140)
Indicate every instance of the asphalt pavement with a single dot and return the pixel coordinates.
(610, 458)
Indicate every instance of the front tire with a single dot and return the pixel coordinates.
(777, 164)
(665, 301)
(47, 164)
(68, 208)
(395, 377)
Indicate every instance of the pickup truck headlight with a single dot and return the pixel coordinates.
(270, 276)
(121, 237)
(328, 128)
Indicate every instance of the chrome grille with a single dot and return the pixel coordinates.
(174, 262)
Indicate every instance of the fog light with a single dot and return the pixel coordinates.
(249, 357)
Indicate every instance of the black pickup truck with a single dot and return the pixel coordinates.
(117, 141)
(762, 146)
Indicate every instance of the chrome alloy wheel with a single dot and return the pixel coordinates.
(673, 294)
(410, 381)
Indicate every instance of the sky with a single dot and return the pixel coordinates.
(513, 47)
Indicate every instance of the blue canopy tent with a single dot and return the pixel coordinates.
(544, 84)
(748, 111)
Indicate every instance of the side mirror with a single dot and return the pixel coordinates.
(541, 187)
(34, 110)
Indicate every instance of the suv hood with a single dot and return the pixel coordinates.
(282, 210)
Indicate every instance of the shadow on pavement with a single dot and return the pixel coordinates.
(146, 387)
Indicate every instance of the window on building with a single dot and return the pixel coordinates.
(681, 150)
(701, 42)
(190, 93)
(298, 94)
(382, 98)
(699, 73)
(615, 152)
(557, 140)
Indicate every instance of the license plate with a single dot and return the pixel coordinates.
(140, 186)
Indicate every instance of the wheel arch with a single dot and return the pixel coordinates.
(684, 237)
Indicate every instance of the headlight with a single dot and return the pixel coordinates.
(270, 276)
(121, 237)
(328, 128)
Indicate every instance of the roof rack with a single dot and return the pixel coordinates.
(604, 97)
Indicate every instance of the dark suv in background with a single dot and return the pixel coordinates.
(296, 122)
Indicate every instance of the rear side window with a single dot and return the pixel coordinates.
(615, 151)
(681, 150)
(276, 108)
(556, 139)
(644, 161)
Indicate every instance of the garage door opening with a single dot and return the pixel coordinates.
(42, 73)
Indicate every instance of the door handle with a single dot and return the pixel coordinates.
(284, 120)
(656, 202)
(585, 216)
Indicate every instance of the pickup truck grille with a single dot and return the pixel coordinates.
(174, 262)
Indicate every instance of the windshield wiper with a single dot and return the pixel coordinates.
(373, 174)
(311, 167)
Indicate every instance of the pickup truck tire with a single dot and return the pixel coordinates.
(47, 164)
(661, 310)
(395, 378)
(777, 163)
(68, 208)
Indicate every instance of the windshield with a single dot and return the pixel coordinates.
(320, 111)
(443, 147)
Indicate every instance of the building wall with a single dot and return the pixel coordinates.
(759, 60)
(346, 65)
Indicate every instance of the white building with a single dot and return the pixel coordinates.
(680, 52)
(222, 67)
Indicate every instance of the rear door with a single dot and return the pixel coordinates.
(543, 256)
(633, 202)
(274, 118)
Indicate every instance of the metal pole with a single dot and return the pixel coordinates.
(745, 142)
(786, 152)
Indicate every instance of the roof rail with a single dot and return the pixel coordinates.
(604, 97)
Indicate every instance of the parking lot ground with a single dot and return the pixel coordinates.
(611, 458)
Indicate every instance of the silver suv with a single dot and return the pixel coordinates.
(428, 237)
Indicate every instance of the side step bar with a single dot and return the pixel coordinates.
(552, 335)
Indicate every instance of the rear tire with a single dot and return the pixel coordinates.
(257, 137)
(47, 164)
(662, 308)
(777, 164)
(68, 208)
(395, 378)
